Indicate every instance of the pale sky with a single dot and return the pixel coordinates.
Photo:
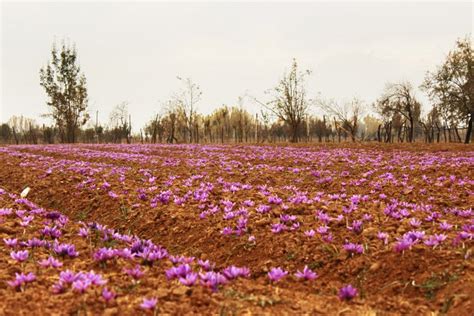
(134, 51)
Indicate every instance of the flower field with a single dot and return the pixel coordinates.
(178, 229)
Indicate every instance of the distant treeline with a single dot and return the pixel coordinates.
(229, 125)
(283, 116)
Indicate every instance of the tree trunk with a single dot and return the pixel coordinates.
(467, 140)
(456, 132)
(294, 133)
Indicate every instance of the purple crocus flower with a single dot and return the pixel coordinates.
(67, 276)
(205, 265)
(179, 271)
(233, 272)
(20, 255)
(124, 253)
(322, 230)
(278, 228)
(189, 279)
(113, 195)
(347, 293)
(107, 295)
(414, 222)
(65, 250)
(352, 248)
(276, 274)
(53, 215)
(445, 226)
(58, 287)
(135, 272)
(310, 233)
(104, 254)
(94, 278)
(212, 279)
(83, 232)
(21, 278)
(383, 236)
(81, 286)
(306, 274)
(356, 227)
(53, 232)
(34, 243)
(50, 262)
(227, 231)
(435, 240)
(403, 244)
(149, 303)
(10, 242)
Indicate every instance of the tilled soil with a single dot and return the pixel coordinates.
(181, 196)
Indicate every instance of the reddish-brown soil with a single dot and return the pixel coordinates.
(419, 281)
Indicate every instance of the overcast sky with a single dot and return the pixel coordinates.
(134, 51)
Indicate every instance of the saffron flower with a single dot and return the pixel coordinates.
(356, 227)
(322, 230)
(58, 287)
(403, 244)
(83, 232)
(383, 236)
(65, 250)
(68, 276)
(94, 278)
(104, 254)
(35, 243)
(136, 273)
(81, 285)
(189, 279)
(347, 293)
(212, 280)
(306, 274)
(21, 278)
(276, 274)
(10, 242)
(50, 262)
(445, 226)
(177, 272)
(414, 222)
(149, 303)
(205, 265)
(233, 272)
(108, 295)
(20, 255)
(278, 228)
(352, 248)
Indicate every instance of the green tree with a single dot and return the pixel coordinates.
(451, 86)
(65, 86)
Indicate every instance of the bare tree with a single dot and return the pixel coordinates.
(399, 99)
(120, 123)
(289, 101)
(346, 116)
(186, 100)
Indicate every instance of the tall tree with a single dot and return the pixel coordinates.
(120, 125)
(186, 100)
(451, 86)
(398, 102)
(65, 86)
(289, 102)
